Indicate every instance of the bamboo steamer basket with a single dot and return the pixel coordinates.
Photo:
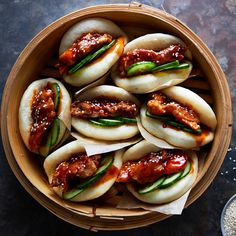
(35, 62)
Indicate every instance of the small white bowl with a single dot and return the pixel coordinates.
(233, 198)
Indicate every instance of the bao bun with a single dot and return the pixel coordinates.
(166, 195)
(63, 154)
(88, 129)
(181, 138)
(25, 117)
(153, 81)
(97, 68)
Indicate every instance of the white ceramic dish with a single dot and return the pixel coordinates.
(222, 221)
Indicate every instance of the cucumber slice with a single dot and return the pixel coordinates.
(170, 179)
(54, 131)
(127, 120)
(110, 122)
(151, 187)
(115, 121)
(186, 170)
(166, 66)
(56, 89)
(91, 57)
(106, 122)
(166, 181)
(51, 138)
(45, 148)
(140, 68)
(149, 66)
(105, 165)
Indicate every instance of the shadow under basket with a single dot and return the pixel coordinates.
(33, 63)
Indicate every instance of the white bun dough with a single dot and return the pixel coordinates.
(151, 82)
(100, 66)
(63, 154)
(160, 196)
(25, 118)
(88, 129)
(181, 138)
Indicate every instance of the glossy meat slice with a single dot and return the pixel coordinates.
(77, 167)
(169, 54)
(42, 114)
(160, 104)
(152, 166)
(81, 47)
(103, 108)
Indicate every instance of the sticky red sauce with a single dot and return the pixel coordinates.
(152, 166)
(164, 125)
(110, 173)
(42, 113)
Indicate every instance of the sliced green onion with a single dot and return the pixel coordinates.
(182, 66)
(110, 122)
(127, 120)
(91, 57)
(171, 66)
(166, 66)
(95, 122)
(113, 121)
(162, 118)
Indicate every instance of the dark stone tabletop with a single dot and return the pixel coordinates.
(214, 21)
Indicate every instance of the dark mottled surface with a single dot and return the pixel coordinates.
(213, 21)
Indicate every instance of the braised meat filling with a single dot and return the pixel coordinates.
(152, 166)
(43, 114)
(103, 107)
(169, 54)
(160, 104)
(78, 167)
(82, 46)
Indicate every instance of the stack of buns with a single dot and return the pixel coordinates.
(141, 91)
